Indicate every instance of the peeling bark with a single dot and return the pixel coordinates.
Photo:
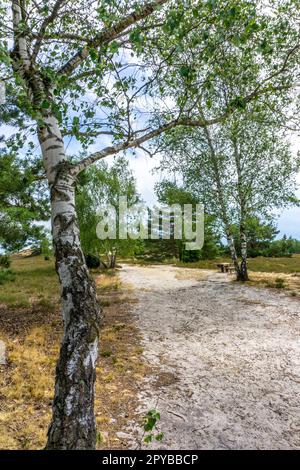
(243, 272)
(233, 254)
(73, 423)
(243, 268)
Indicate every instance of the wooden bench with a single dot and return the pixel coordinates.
(223, 267)
(226, 267)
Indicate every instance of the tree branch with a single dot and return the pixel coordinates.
(109, 34)
(78, 133)
(137, 142)
(180, 121)
(44, 26)
(20, 51)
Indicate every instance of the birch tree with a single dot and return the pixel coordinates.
(240, 170)
(97, 188)
(108, 74)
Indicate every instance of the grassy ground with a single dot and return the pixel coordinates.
(31, 327)
(35, 284)
(259, 264)
(277, 273)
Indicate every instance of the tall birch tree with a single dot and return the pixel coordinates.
(109, 74)
(240, 170)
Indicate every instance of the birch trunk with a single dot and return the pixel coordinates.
(240, 268)
(73, 423)
(222, 204)
(243, 272)
(243, 269)
(233, 255)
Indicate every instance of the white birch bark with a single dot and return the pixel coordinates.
(73, 423)
(222, 201)
(243, 271)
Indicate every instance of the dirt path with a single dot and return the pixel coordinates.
(227, 360)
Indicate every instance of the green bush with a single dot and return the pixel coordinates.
(5, 261)
(279, 283)
(92, 261)
(283, 248)
(190, 256)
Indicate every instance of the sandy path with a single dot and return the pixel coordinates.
(227, 357)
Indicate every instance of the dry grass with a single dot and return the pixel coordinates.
(27, 381)
(282, 281)
(31, 327)
(197, 275)
(120, 369)
(107, 282)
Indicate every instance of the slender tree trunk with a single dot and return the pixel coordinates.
(240, 268)
(73, 422)
(111, 258)
(114, 258)
(243, 273)
(243, 268)
(233, 255)
(222, 201)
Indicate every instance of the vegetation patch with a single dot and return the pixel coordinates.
(288, 282)
(32, 333)
(259, 264)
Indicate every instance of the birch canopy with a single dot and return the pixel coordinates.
(117, 74)
(106, 69)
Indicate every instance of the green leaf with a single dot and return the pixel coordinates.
(45, 104)
(75, 122)
(184, 71)
(93, 54)
(114, 47)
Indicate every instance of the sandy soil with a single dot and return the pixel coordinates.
(226, 359)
